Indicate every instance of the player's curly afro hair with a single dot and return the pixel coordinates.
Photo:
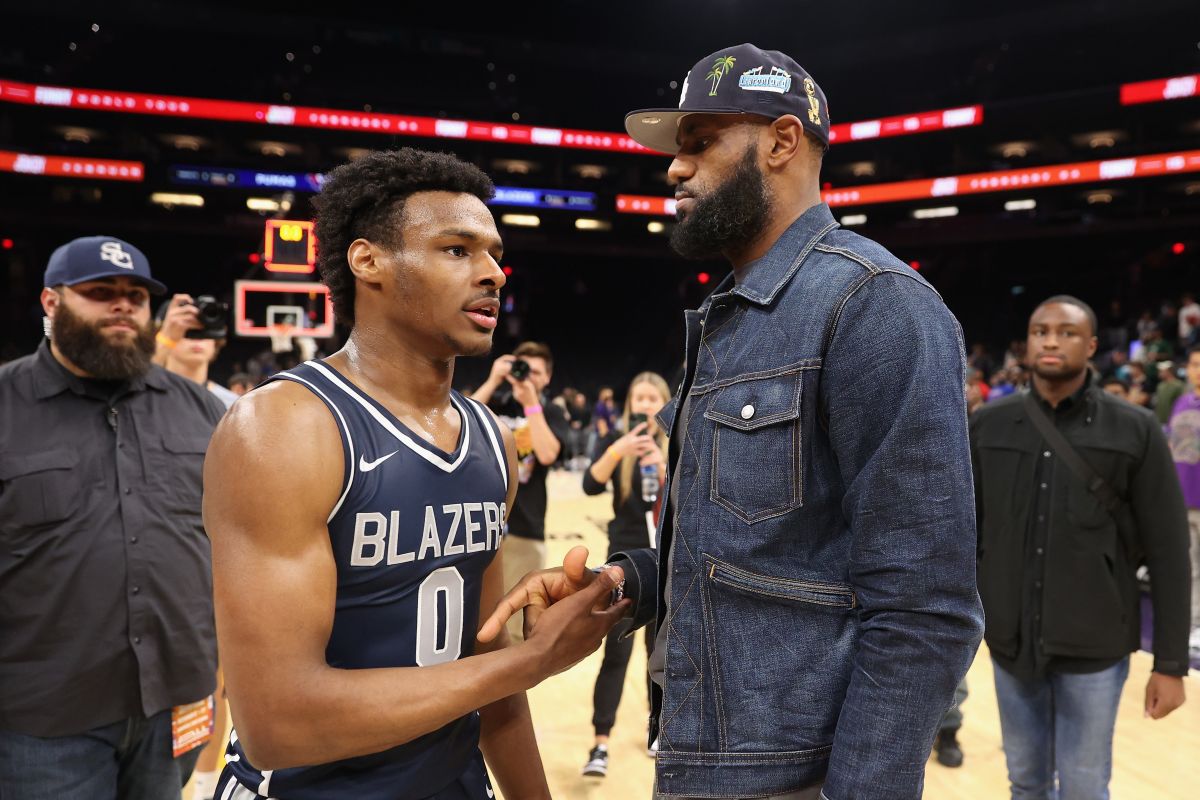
(365, 199)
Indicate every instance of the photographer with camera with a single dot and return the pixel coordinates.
(515, 391)
(105, 571)
(190, 337)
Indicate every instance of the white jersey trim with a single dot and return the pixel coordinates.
(481, 409)
(403, 438)
(349, 443)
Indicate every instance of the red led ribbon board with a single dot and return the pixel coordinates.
(396, 124)
(976, 183)
(290, 246)
(1016, 179)
(56, 166)
(906, 124)
(1159, 90)
(646, 204)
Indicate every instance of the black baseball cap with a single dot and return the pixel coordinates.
(92, 257)
(737, 80)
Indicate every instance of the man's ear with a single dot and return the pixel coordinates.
(362, 256)
(787, 141)
(51, 300)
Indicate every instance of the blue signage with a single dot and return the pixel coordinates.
(247, 179)
(311, 182)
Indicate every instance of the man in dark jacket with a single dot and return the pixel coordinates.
(1057, 561)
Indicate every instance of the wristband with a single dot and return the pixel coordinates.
(531, 410)
(165, 341)
(612, 453)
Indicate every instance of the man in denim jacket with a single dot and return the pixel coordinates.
(819, 603)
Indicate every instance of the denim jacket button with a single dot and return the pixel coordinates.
(747, 411)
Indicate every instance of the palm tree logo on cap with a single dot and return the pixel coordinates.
(721, 66)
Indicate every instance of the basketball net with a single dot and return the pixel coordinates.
(281, 338)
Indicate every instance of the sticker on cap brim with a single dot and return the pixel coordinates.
(777, 80)
(651, 120)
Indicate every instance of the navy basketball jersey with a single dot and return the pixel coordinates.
(412, 532)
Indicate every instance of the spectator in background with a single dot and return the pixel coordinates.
(1189, 320)
(1157, 348)
(981, 361)
(1144, 324)
(1014, 356)
(604, 414)
(1139, 383)
(603, 419)
(189, 358)
(1169, 389)
(1116, 387)
(624, 463)
(541, 429)
(1116, 365)
(1183, 433)
(1001, 385)
(105, 578)
(580, 415)
(975, 377)
(241, 383)
(1057, 566)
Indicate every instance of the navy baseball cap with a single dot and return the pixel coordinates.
(737, 80)
(92, 257)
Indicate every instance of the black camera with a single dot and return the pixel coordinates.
(213, 315)
(520, 369)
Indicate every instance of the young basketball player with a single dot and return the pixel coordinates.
(356, 506)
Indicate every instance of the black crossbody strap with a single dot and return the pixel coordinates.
(1109, 498)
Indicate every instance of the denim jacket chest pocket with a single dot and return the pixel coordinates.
(756, 471)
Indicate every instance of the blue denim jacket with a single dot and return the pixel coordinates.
(823, 603)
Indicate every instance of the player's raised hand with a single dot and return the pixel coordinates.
(539, 590)
(574, 627)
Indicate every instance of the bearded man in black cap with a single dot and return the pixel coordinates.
(105, 572)
(814, 591)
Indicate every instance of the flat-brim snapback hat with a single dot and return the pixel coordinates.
(736, 80)
(92, 257)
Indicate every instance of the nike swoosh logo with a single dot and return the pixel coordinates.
(367, 466)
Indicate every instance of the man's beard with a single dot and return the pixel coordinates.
(729, 217)
(86, 346)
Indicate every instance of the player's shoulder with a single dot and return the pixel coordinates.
(280, 415)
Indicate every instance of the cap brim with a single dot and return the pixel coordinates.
(154, 286)
(656, 128)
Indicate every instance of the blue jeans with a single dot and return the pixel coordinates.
(1060, 727)
(127, 760)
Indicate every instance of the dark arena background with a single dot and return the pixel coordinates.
(1008, 151)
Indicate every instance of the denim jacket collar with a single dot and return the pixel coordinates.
(765, 277)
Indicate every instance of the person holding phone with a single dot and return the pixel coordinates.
(634, 463)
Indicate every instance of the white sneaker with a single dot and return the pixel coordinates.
(1194, 644)
(597, 763)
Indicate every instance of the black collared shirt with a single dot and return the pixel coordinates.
(105, 568)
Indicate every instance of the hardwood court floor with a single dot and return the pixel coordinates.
(1152, 760)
